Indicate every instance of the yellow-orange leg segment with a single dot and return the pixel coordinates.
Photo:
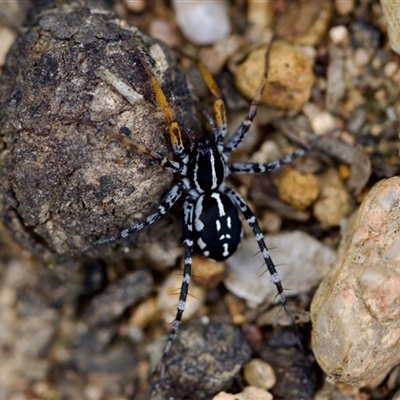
(173, 127)
(219, 105)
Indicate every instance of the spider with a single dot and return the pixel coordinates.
(211, 208)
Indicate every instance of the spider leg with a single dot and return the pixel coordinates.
(188, 243)
(219, 106)
(166, 163)
(254, 168)
(241, 132)
(169, 200)
(173, 126)
(253, 223)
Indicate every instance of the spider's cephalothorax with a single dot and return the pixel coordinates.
(211, 208)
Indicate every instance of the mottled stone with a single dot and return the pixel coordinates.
(299, 190)
(391, 11)
(355, 311)
(290, 76)
(203, 22)
(334, 202)
(248, 393)
(203, 360)
(260, 374)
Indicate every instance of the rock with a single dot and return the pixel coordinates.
(7, 38)
(302, 262)
(203, 360)
(215, 57)
(305, 22)
(236, 308)
(391, 12)
(355, 310)
(339, 34)
(117, 297)
(290, 76)
(299, 190)
(207, 272)
(135, 5)
(295, 369)
(65, 184)
(165, 30)
(334, 201)
(145, 313)
(322, 122)
(248, 393)
(203, 22)
(260, 374)
(344, 7)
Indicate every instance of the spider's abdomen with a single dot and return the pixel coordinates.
(217, 226)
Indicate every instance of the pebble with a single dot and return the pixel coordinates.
(336, 76)
(260, 374)
(260, 15)
(207, 272)
(203, 360)
(215, 57)
(144, 313)
(164, 30)
(117, 297)
(355, 311)
(236, 308)
(248, 393)
(338, 34)
(295, 369)
(334, 202)
(135, 5)
(321, 122)
(305, 22)
(344, 7)
(168, 297)
(203, 22)
(7, 38)
(302, 260)
(299, 190)
(391, 12)
(290, 76)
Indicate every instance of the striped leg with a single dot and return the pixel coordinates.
(173, 126)
(188, 243)
(252, 221)
(219, 105)
(169, 200)
(123, 137)
(240, 134)
(254, 168)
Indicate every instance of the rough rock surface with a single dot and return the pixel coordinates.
(356, 310)
(203, 361)
(290, 76)
(63, 183)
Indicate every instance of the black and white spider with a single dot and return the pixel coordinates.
(211, 208)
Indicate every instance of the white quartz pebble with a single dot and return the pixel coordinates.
(203, 22)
